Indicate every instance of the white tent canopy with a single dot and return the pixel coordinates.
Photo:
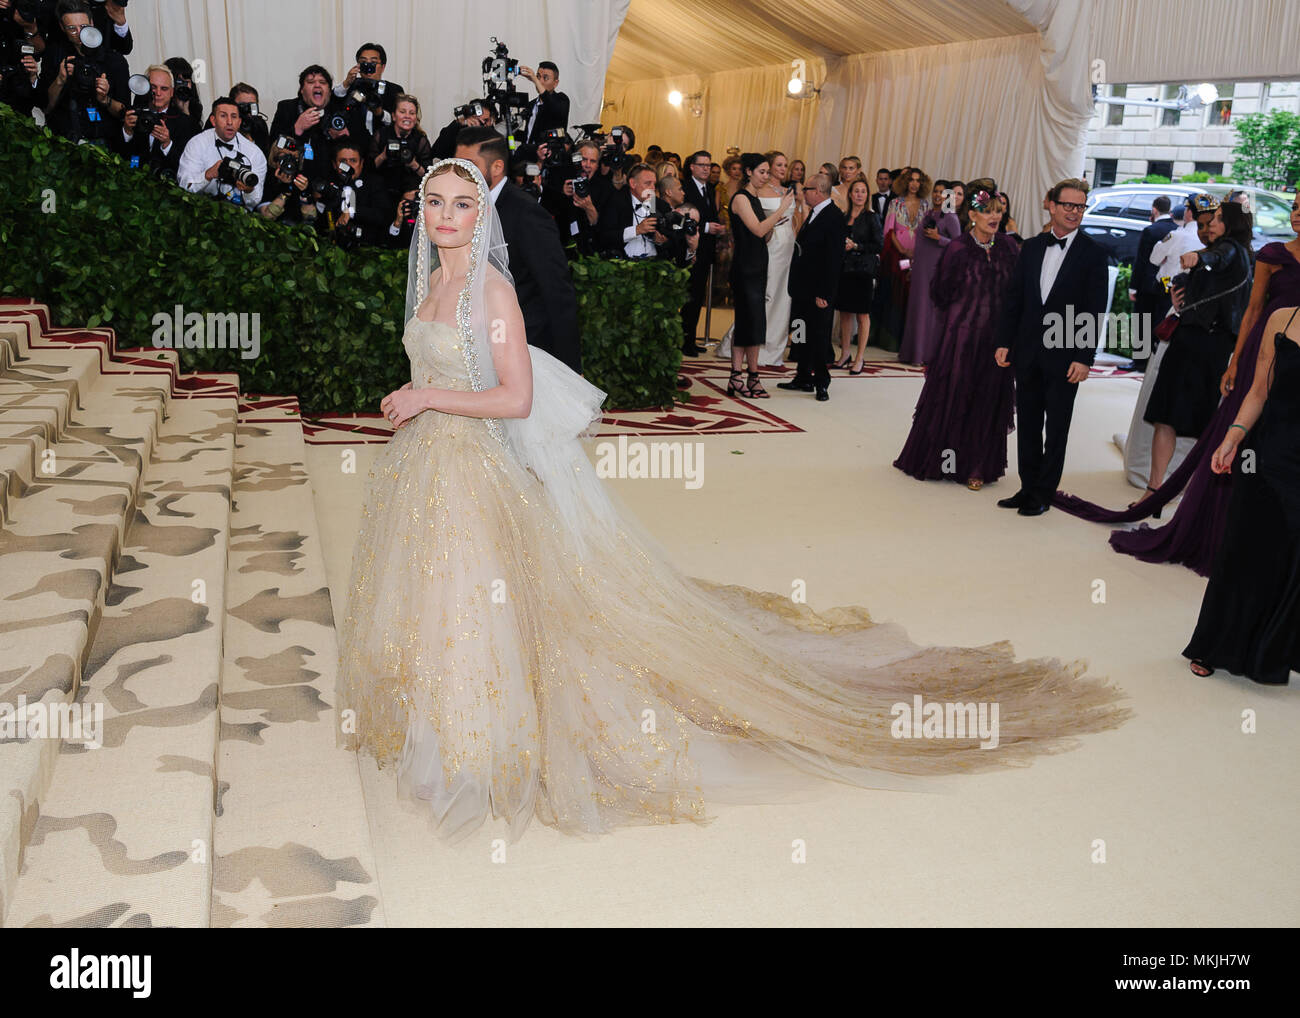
(962, 88)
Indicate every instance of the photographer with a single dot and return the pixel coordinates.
(83, 83)
(616, 156)
(110, 19)
(551, 107)
(184, 94)
(628, 225)
(681, 226)
(21, 42)
(475, 113)
(586, 194)
(305, 117)
(252, 121)
(287, 197)
(401, 151)
(366, 100)
(355, 210)
(154, 136)
(701, 194)
(223, 163)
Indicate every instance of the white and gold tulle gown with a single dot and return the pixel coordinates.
(508, 672)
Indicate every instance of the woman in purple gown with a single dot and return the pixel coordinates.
(960, 427)
(922, 329)
(1192, 537)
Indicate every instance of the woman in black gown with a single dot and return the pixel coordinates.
(751, 226)
(1250, 617)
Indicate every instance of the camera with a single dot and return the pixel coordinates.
(336, 122)
(408, 211)
(184, 89)
(17, 70)
(400, 151)
(289, 163)
(368, 66)
(476, 108)
(86, 68)
(500, 67)
(669, 219)
(248, 110)
(365, 93)
(235, 170)
(614, 154)
(332, 193)
(146, 120)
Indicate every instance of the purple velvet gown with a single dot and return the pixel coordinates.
(924, 323)
(1192, 537)
(967, 406)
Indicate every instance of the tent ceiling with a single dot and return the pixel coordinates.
(660, 38)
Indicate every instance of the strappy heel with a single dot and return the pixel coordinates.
(755, 390)
(734, 388)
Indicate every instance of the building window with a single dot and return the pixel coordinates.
(1160, 168)
(1104, 173)
(1221, 109)
(1168, 117)
(1115, 114)
(1215, 170)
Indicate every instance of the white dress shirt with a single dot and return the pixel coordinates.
(1052, 259)
(639, 245)
(1169, 250)
(496, 190)
(204, 150)
(815, 209)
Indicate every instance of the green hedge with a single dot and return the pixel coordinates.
(102, 244)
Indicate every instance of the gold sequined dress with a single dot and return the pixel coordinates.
(506, 674)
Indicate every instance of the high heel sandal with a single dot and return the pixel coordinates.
(1200, 668)
(841, 365)
(1138, 502)
(734, 388)
(755, 390)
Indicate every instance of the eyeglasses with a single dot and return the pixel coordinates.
(1072, 206)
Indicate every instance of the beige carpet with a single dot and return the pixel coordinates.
(1197, 821)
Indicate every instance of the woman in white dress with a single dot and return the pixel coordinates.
(517, 647)
(780, 252)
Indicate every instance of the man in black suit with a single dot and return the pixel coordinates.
(814, 278)
(551, 107)
(1145, 290)
(159, 148)
(884, 193)
(700, 193)
(627, 226)
(541, 272)
(1059, 281)
(304, 118)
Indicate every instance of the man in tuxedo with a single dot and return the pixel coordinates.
(304, 118)
(1060, 278)
(551, 107)
(700, 193)
(884, 193)
(159, 148)
(541, 272)
(200, 166)
(1145, 290)
(814, 277)
(628, 227)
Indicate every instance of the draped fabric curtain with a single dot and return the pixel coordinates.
(435, 50)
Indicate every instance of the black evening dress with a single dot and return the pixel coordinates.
(1250, 617)
(748, 276)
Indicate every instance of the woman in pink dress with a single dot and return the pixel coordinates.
(902, 223)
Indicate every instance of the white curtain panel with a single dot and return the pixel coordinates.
(435, 47)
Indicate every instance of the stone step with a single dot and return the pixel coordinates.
(292, 839)
(122, 836)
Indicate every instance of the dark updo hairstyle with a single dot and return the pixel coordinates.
(749, 162)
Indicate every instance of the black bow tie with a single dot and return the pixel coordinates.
(1053, 239)
(227, 144)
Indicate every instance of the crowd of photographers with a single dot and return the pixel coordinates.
(341, 157)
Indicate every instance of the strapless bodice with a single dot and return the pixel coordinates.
(437, 355)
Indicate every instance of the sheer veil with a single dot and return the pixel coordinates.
(564, 405)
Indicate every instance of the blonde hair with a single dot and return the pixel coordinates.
(161, 69)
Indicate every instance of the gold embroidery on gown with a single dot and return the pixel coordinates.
(504, 674)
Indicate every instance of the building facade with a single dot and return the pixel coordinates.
(1124, 142)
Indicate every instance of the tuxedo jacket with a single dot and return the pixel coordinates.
(143, 145)
(707, 204)
(1144, 273)
(554, 113)
(1081, 286)
(880, 203)
(615, 216)
(541, 273)
(818, 256)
